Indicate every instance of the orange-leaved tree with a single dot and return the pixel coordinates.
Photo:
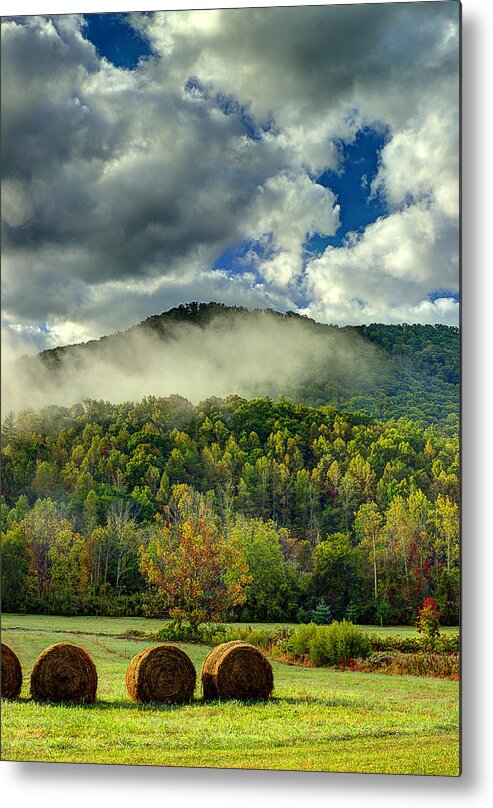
(195, 572)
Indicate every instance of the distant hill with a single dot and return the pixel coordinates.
(203, 349)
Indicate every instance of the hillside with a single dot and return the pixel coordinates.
(198, 350)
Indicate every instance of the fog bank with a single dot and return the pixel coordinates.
(245, 355)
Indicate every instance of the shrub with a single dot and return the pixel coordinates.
(280, 635)
(382, 659)
(135, 633)
(444, 666)
(394, 643)
(445, 644)
(172, 632)
(428, 624)
(210, 634)
(342, 640)
(327, 645)
(448, 644)
(320, 647)
(298, 644)
(260, 638)
(217, 633)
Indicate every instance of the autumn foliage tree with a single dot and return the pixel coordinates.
(194, 572)
(428, 624)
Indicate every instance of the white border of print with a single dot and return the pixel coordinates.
(54, 785)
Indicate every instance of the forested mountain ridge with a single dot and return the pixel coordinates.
(386, 371)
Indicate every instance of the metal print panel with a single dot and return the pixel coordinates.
(230, 388)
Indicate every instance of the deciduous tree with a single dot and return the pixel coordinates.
(196, 572)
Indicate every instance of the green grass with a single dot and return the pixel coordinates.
(405, 631)
(318, 719)
(120, 625)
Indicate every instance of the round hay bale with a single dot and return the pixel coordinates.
(64, 672)
(161, 673)
(11, 673)
(236, 670)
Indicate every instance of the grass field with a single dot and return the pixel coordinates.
(318, 719)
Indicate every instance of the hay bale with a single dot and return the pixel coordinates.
(236, 670)
(64, 672)
(162, 673)
(11, 681)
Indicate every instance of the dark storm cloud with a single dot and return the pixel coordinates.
(315, 56)
(35, 280)
(138, 175)
(44, 123)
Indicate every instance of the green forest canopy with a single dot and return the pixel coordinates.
(331, 507)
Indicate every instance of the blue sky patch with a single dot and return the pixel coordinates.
(244, 256)
(115, 39)
(195, 88)
(441, 293)
(229, 105)
(351, 184)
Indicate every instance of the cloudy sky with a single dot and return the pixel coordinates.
(297, 158)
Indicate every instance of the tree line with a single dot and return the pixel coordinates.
(317, 508)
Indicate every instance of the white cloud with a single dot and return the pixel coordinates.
(422, 161)
(291, 207)
(121, 190)
(387, 273)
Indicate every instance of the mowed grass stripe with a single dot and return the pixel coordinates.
(114, 626)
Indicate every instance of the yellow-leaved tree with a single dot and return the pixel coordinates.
(195, 573)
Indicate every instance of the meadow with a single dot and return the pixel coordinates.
(318, 719)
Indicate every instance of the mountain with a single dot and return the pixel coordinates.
(201, 350)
